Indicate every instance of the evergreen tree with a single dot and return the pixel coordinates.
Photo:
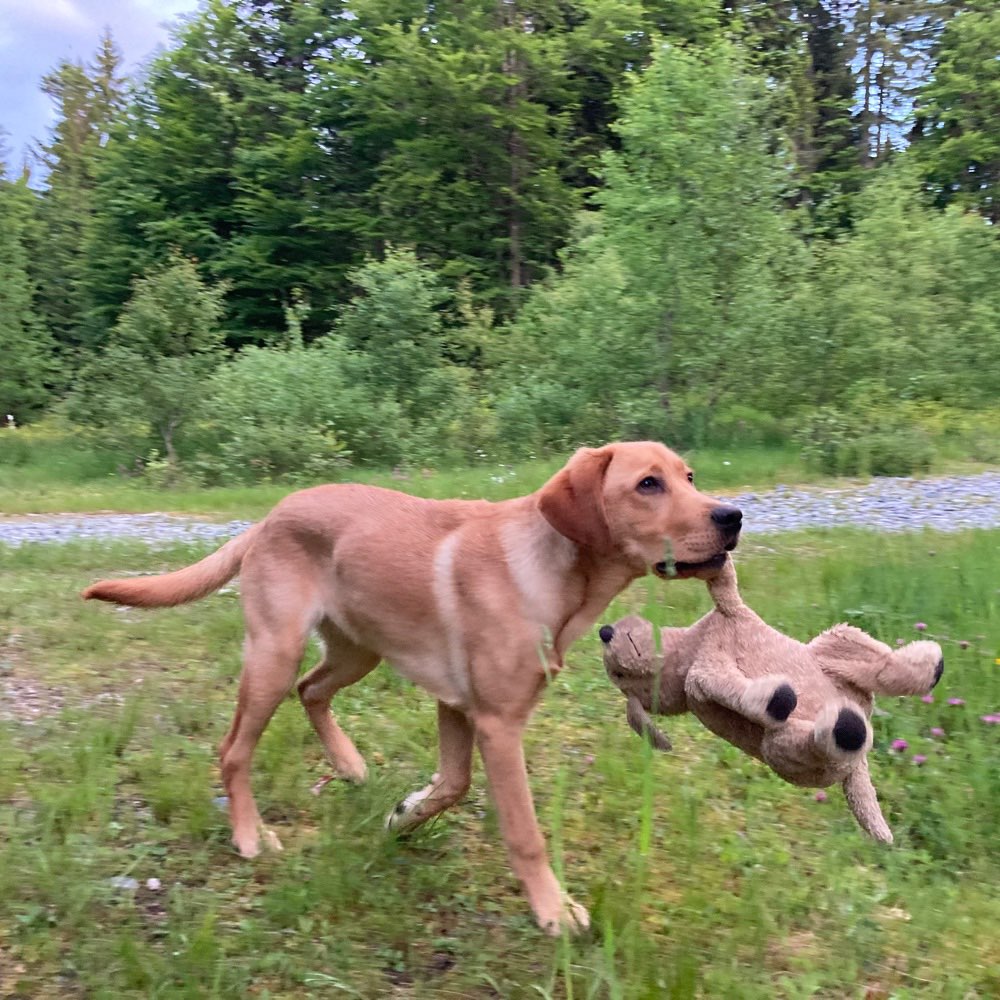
(487, 118)
(312, 136)
(86, 101)
(268, 192)
(26, 350)
(834, 172)
(894, 41)
(956, 136)
(806, 50)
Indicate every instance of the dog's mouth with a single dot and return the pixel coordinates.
(685, 569)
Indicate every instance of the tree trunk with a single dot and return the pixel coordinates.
(168, 442)
(866, 107)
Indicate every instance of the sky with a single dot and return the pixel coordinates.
(36, 34)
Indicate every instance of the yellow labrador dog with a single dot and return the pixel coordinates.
(477, 602)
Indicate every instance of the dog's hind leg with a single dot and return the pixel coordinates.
(279, 613)
(343, 663)
(449, 785)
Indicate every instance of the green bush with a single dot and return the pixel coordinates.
(256, 453)
(864, 443)
(899, 451)
(737, 424)
(273, 414)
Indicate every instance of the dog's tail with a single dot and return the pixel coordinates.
(188, 584)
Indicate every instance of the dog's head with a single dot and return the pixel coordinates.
(637, 500)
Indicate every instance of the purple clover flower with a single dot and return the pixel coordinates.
(992, 719)
(899, 745)
(956, 701)
(937, 732)
(919, 758)
(820, 796)
(920, 626)
(928, 699)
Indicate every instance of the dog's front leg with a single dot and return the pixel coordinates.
(453, 776)
(499, 742)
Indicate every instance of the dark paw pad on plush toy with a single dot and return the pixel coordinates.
(849, 731)
(782, 703)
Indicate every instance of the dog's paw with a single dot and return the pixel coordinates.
(352, 767)
(249, 845)
(356, 776)
(270, 839)
(408, 814)
(571, 918)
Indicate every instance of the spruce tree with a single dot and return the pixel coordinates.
(27, 365)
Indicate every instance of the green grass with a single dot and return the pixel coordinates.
(43, 473)
(51, 475)
(705, 875)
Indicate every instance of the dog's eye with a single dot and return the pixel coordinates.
(650, 485)
(690, 477)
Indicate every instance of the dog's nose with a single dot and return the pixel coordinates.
(607, 633)
(728, 518)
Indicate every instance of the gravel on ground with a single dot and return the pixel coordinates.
(945, 503)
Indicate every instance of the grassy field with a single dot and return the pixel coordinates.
(45, 471)
(59, 476)
(705, 875)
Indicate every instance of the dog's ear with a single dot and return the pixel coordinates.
(572, 501)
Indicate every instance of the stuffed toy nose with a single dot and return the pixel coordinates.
(607, 633)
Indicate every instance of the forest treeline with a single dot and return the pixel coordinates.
(308, 234)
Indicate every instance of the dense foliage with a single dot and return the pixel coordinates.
(417, 234)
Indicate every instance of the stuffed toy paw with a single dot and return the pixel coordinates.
(801, 708)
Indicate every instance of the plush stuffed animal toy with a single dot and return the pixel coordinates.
(802, 708)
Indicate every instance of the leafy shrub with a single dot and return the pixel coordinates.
(736, 424)
(852, 444)
(280, 451)
(272, 414)
(824, 436)
(964, 433)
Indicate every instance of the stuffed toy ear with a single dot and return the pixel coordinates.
(572, 501)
